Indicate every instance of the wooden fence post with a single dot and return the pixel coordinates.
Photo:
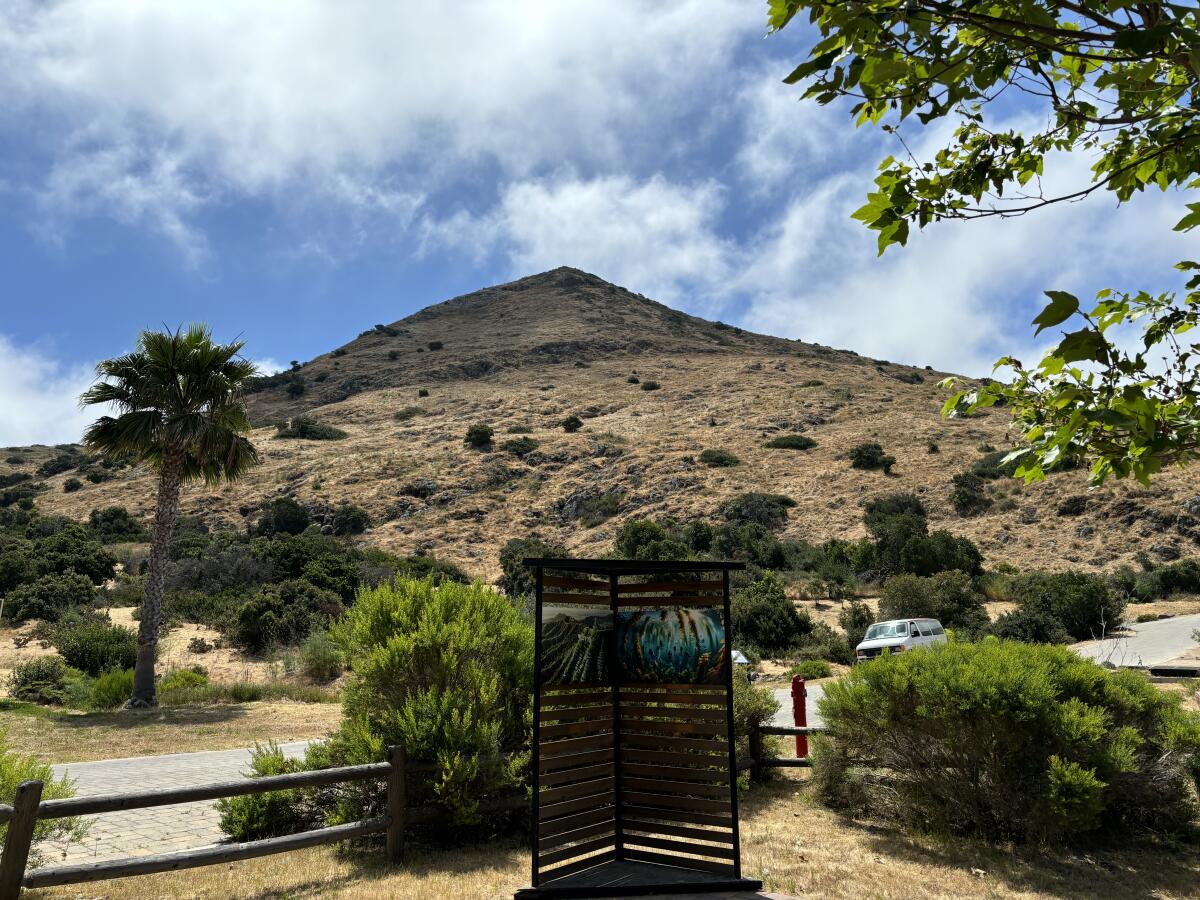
(397, 801)
(19, 839)
(756, 752)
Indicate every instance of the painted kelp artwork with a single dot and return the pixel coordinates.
(576, 644)
(675, 645)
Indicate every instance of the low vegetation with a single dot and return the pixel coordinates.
(307, 428)
(791, 442)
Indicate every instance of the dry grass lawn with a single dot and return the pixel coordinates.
(55, 736)
(795, 847)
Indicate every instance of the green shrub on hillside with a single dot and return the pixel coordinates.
(949, 597)
(320, 658)
(350, 519)
(767, 510)
(765, 618)
(519, 447)
(283, 614)
(887, 506)
(1085, 604)
(306, 428)
(56, 465)
(870, 455)
(811, 669)
(111, 690)
(855, 618)
(571, 424)
(479, 436)
(1008, 741)
(993, 467)
(519, 429)
(45, 681)
(968, 495)
(1030, 626)
(283, 515)
(791, 442)
(408, 412)
(645, 540)
(114, 525)
(95, 647)
(71, 485)
(650, 385)
(719, 459)
(48, 597)
(516, 579)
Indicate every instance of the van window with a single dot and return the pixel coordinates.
(937, 629)
(887, 630)
(926, 629)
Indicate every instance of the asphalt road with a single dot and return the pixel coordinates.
(784, 696)
(1145, 643)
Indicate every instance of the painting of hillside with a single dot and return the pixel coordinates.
(671, 646)
(576, 645)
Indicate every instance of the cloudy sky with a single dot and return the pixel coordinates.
(294, 172)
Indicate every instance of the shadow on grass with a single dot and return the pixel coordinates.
(1136, 869)
(173, 716)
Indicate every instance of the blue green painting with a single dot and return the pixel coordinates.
(673, 645)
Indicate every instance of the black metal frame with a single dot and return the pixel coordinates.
(614, 569)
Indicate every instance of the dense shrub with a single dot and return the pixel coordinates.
(1030, 626)
(719, 459)
(445, 672)
(72, 548)
(519, 429)
(767, 510)
(791, 442)
(16, 768)
(114, 525)
(306, 428)
(44, 681)
(1008, 741)
(646, 540)
(111, 689)
(855, 618)
(650, 385)
(753, 707)
(479, 436)
(1161, 582)
(633, 379)
(350, 519)
(811, 669)
(517, 580)
(409, 412)
(519, 447)
(181, 679)
(71, 485)
(274, 813)
(882, 508)
(949, 597)
(436, 345)
(764, 617)
(992, 466)
(968, 495)
(283, 515)
(218, 566)
(283, 614)
(47, 597)
(425, 565)
(319, 658)
(870, 455)
(423, 392)
(1085, 604)
(56, 465)
(95, 647)
(903, 545)
(571, 424)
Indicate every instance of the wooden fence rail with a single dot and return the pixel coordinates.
(758, 760)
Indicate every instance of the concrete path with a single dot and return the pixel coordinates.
(1145, 643)
(162, 829)
(784, 696)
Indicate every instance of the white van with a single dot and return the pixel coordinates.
(899, 635)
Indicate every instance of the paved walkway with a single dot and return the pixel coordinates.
(784, 696)
(161, 829)
(1145, 643)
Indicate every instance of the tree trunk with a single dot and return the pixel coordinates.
(166, 513)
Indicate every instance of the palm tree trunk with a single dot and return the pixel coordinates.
(166, 513)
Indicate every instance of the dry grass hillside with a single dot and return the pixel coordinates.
(566, 343)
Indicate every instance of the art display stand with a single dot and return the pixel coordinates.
(633, 746)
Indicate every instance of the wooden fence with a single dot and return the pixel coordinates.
(758, 760)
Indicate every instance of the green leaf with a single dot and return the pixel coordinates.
(1082, 344)
(1191, 220)
(1061, 307)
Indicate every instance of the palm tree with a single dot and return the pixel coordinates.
(178, 399)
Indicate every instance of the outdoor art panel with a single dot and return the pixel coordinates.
(576, 644)
(672, 645)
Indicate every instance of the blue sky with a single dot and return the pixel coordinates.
(295, 172)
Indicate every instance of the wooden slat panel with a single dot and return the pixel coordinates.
(584, 772)
(576, 698)
(678, 847)
(572, 761)
(674, 773)
(691, 701)
(554, 856)
(641, 798)
(572, 823)
(568, 729)
(576, 600)
(636, 711)
(658, 726)
(653, 741)
(577, 713)
(582, 789)
(663, 586)
(579, 834)
(671, 758)
(586, 584)
(678, 788)
(658, 602)
(664, 859)
(550, 749)
(687, 817)
(549, 811)
(573, 867)
(722, 835)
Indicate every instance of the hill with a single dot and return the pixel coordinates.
(528, 354)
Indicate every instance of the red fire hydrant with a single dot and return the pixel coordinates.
(800, 714)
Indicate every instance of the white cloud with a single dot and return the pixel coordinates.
(268, 366)
(40, 400)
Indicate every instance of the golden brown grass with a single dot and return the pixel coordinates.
(795, 847)
(55, 736)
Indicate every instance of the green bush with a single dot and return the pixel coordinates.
(763, 616)
(968, 495)
(855, 618)
(646, 540)
(1085, 604)
(111, 690)
(71, 485)
(16, 768)
(519, 429)
(650, 385)
(47, 597)
(767, 510)
(283, 515)
(56, 465)
(423, 392)
(1030, 626)
(445, 672)
(95, 647)
(479, 436)
(903, 545)
(992, 466)
(436, 345)
(181, 679)
(114, 525)
(1009, 741)
(753, 707)
(949, 597)
(791, 442)
(519, 447)
(409, 412)
(516, 580)
(320, 658)
(283, 614)
(1161, 582)
(571, 424)
(811, 669)
(870, 455)
(306, 428)
(719, 459)
(633, 379)
(44, 681)
(272, 814)
(879, 509)
(350, 519)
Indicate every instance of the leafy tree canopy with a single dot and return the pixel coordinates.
(1117, 80)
